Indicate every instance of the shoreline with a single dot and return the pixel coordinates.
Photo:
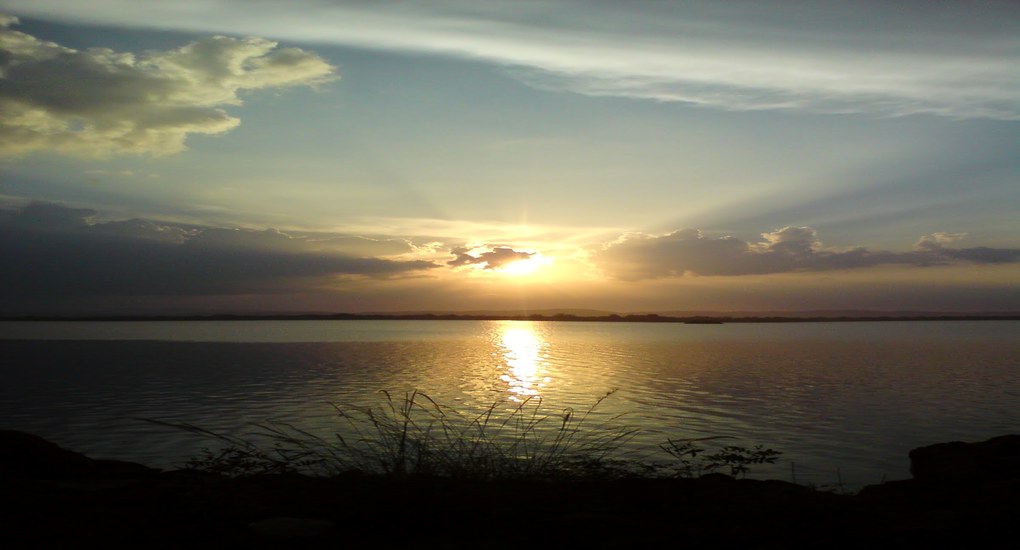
(960, 494)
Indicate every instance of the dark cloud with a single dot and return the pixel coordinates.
(357, 245)
(935, 245)
(53, 250)
(790, 249)
(50, 217)
(494, 258)
(99, 102)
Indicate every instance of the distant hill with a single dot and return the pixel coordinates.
(576, 312)
(826, 313)
(567, 314)
(800, 314)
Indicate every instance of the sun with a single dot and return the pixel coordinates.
(528, 266)
(520, 267)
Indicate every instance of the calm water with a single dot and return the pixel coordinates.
(841, 400)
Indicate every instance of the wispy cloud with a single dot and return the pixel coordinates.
(902, 58)
(99, 102)
(638, 256)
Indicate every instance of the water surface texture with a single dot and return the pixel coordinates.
(843, 401)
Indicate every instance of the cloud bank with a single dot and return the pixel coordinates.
(100, 102)
(53, 250)
(953, 59)
(685, 252)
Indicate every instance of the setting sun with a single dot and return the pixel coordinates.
(526, 267)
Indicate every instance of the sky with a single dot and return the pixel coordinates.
(255, 156)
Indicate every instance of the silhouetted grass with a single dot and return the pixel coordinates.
(415, 435)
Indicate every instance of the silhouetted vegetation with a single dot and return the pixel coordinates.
(693, 461)
(962, 495)
(415, 435)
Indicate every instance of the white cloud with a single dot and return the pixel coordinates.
(902, 58)
(791, 240)
(936, 241)
(99, 102)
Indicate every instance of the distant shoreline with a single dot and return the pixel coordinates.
(612, 318)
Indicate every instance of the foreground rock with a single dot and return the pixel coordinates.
(62, 497)
(995, 459)
(27, 456)
(960, 493)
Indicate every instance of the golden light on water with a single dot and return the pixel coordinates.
(523, 350)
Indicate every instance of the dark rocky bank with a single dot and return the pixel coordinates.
(960, 495)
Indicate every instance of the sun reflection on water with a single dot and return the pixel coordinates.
(523, 351)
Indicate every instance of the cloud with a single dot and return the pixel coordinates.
(793, 241)
(638, 256)
(357, 245)
(50, 217)
(935, 245)
(487, 258)
(100, 102)
(53, 250)
(936, 241)
(880, 58)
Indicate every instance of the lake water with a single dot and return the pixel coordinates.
(843, 401)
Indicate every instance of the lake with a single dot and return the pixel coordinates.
(843, 401)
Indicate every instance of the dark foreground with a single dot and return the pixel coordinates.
(961, 495)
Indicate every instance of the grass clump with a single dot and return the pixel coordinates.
(415, 435)
(269, 448)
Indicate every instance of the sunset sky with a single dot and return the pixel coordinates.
(213, 156)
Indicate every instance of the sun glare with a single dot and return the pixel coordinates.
(525, 267)
(524, 355)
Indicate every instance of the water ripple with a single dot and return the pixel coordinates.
(852, 398)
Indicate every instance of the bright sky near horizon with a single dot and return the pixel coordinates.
(317, 155)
